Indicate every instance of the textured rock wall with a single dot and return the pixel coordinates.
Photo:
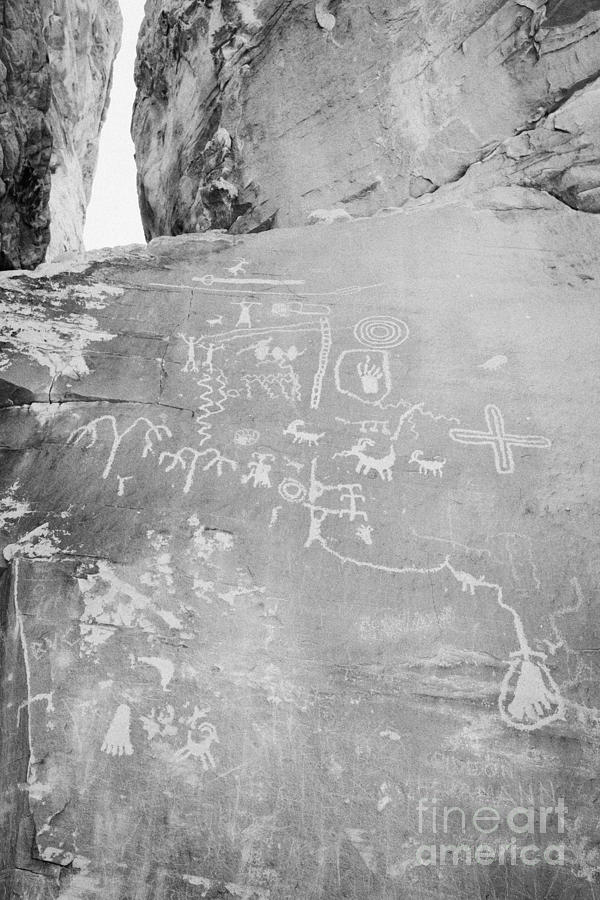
(300, 532)
(259, 113)
(25, 138)
(83, 40)
(55, 65)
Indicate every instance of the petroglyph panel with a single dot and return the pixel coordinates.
(341, 557)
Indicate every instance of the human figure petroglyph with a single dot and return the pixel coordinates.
(210, 352)
(433, 466)
(121, 481)
(245, 320)
(296, 430)
(351, 495)
(260, 469)
(366, 463)
(191, 343)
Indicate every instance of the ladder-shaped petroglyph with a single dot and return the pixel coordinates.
(152, 434)
(498, 439)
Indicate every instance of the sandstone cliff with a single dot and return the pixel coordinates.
(83, 41)
(25, 138)
(251, 113)
(55, 66)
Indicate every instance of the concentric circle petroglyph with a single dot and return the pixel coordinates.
(292, 491)
(381, 332)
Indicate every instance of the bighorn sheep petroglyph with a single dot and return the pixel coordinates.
(303, 437)
(426, 466)
(367, 464)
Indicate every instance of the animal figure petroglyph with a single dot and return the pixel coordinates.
(366, 463)
(201, 749)
(303, 437)
(239, 268)
(468, 582)
(426, 466)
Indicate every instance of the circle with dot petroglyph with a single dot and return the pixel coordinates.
(381, 332)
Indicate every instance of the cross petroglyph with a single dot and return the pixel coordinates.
(500, 442)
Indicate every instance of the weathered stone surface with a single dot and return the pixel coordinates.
(83, 41)
(55, 67)
(25, 139)
(306, 534)
(252, 113)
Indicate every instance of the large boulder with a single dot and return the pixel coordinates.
(254, 113)
(301, 544)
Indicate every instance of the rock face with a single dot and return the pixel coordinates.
(301, 532)
(252, 113)
(83, 41)
(55, 65)
(25, 138)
